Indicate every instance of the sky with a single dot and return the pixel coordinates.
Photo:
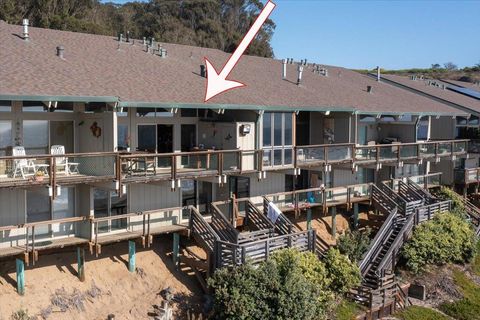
(365, 34)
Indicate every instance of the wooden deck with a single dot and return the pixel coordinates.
(130, 235)
(61, 179)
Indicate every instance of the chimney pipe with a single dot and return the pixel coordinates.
(300, 72)
(163, 53)
(60, 51)
(128, 36)
(284, 73)
(378, 73)
(120, 37)
(369, 89)
(144, 41)
(203, 71)
(26, 37)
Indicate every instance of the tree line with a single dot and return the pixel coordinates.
(219, 24)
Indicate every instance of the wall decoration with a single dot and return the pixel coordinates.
(96, 130)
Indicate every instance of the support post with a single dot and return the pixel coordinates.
(176, 249)
(131, 256)
(355, 216)
(309, 219)
(20, 277)
(81, 263)
(334, 221)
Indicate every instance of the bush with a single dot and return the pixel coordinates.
(446, 238)
(354, 244)
(291, 285)
(458, 206)
(343, 274)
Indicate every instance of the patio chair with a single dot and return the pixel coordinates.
(22, 166)
(69, 167)
(25, 166)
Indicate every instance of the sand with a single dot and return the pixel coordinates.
(124, 294)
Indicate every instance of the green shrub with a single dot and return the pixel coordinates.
(346, 310)
(291, 285)
(21, 314)
(446, 238)
(343, 274)
(354, 243)
(476, 260)
(420, 313)
(458, 207)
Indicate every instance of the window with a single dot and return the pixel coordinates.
(153, 112)
(35, 136)
(34, 106)
(108, 203)
(277, 139)
(367, 118)
(39, 209)
(188, 113)
(467, 128)
(422, 129)
(5, 106)
(123, 140)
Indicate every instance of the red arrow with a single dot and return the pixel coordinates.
(217, 82)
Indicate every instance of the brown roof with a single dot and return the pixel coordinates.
(446, 95)
(98, 66)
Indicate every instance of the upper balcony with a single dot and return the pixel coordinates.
(124, 168)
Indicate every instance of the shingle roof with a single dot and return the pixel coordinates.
(446, 95)
(98, 66)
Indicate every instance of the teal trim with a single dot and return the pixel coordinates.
(374, 113)
(58, 98)
(131, 256)
(129, 104)
(20, 266)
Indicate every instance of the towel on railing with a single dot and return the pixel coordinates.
(273, 212)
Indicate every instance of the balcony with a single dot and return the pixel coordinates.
(467, 176)
(323, 155)
(125, 168)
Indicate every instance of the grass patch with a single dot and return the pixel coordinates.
(347, 310)
(476, 261)
(420, 313)
(467, 308)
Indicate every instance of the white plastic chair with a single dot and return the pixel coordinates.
(22, 166)
(69, 167)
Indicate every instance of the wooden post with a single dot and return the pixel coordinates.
(131, 256)
(309, 219)
(81, 263)
(20, 277)
(176, 249)
(334, 221)
(355, 216)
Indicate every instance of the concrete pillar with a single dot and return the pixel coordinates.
(176, 249)
(20, 276)
(355, 216)
(334, 221)
(131, 256)
(81, 263)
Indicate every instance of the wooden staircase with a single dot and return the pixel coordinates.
(404, 210)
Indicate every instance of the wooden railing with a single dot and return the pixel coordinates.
(231, 254)
(222, 226)
(202, 231)
(140, 167)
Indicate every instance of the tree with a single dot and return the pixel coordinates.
(436, 66)
(450, 66)
(219, 24)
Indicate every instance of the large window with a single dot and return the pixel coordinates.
(422, 129)
(5, 106)
(40, 135)
(467, 128)
(277, 139)
(108, 203)
(123, 140)
(153, 112)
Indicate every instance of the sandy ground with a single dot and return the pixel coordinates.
(109, 287)
(323, 224)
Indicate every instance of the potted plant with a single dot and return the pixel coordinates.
(39, 176)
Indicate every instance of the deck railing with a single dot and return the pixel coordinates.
(467, 176)
(23, 171)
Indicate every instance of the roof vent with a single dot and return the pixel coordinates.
(284, 70)
(163, 53)
(128, 36)
(203, 71)
(60, 52)
(144, 41)
(300, 72)
(120, 37)
(26, 37)
(369, 89)
(378, 73)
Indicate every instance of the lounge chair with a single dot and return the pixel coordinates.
(25, 166)
(68, 167)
